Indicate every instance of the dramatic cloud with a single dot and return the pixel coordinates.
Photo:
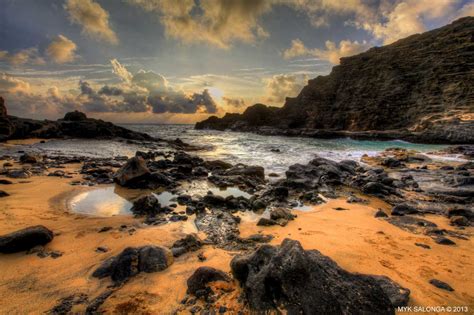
(284, 85)
(22, 57)
(216, 22)
(121, 71)
(332, 53)
(93, 19)
(9, 84)
(61, 50)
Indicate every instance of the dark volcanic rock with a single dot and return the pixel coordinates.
(133, 260)
(381, 93)
(146, 205)
(441, 285)
(25, 239)
(134, 170)
(202, 276)
(75, 124)
(4, 194)
(308, 282)
(402, 209)
(187, 244)
(135, 174)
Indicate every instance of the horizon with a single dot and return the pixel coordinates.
(158, 62)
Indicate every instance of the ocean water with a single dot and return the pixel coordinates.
(249, 148)
(274, 153)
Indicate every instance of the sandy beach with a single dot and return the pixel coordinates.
(356, 240)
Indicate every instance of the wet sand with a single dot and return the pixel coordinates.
(356, 240)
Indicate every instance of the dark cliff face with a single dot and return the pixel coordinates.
(418, 83)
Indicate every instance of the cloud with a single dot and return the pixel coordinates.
(215, 22)
(406, 18)
(297, 49)
(234, 102)
(284, 85)
(9, 84)
(121, 71)
(22, 57)
(61, 50)
(93, 19)
(332, 53)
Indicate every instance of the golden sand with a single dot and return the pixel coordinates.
(356, 240)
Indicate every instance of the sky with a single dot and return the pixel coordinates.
(180, 61)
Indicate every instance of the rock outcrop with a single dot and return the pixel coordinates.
(420, 88)
(73, 125)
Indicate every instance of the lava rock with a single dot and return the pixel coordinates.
(444, 240)
(266, 222)
(288, 277)
(459, 221)
(380, 214)
(30, 158)
(134, 170)
(133, 260)
(187, 244)
(402, 209)
(25, 239)
(441, 285)
(147, 205)
(202, 276)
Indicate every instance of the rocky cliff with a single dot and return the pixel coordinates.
(73, 125)
(420, 88)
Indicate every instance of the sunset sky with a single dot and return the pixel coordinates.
(181, 61)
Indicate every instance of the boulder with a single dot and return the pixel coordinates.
(133, 260)
(202, 276)
(380, 214)
(459, 221)
(266, 222)
(3, 194)
(30, 158)
(134, 170)
(147, 205)
(246, 170)
(403, 208)
(25, 239)
(190, 242)
(305, 281)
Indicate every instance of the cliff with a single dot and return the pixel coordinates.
(420, 88)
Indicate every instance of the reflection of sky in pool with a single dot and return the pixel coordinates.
(110, 201)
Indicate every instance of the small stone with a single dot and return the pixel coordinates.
(444, 241)
(105, 229)
(380, 214)
(55, 254)
(102, 249)
(441, 285)
(423, 245)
